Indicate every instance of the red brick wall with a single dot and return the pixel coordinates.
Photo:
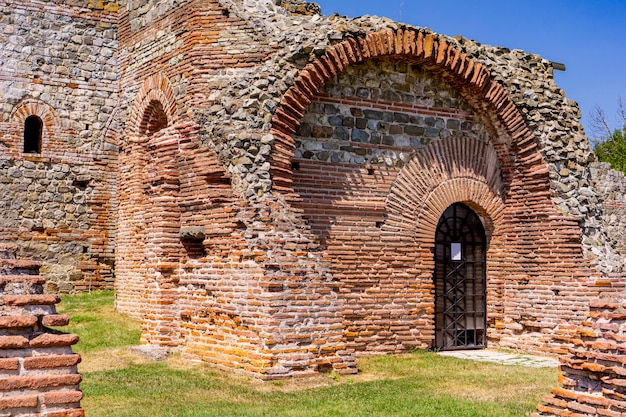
(377, 226)
(38, 371)
(226, 280)
(538, 280)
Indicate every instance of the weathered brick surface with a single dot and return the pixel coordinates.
(592, 383)
(38, 373)
(276, 212)
(51, 361)
(272, 180)
(11, 364)
(62, 397)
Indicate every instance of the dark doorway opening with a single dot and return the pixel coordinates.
(460, 280)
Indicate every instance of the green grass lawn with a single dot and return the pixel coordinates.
(117, 383)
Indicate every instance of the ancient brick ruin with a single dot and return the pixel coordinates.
(38, 371)
(593, 382)
(276, 192)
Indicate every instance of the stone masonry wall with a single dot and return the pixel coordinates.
(59, 64)
(555, 121)
(233, 113)
(610, 186)
(272, 178)
(393, 108)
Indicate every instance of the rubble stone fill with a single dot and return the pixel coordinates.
(261, 184)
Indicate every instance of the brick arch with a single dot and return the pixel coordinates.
(471, 78)
(445, 172)
(154, 106)
(37, 108)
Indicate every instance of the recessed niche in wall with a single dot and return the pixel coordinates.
(33, 129)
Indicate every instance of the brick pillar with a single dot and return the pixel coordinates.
(160, 321)
(38, 371)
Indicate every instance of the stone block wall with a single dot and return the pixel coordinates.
(38, 371)
(59, 65)
(380, 112)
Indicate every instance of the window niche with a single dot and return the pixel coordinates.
(154, 119)
(33, 132)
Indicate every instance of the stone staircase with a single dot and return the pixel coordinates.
(38, 370)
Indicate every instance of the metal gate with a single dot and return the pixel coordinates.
(460, 280)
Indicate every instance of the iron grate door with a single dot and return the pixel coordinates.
(460, 280)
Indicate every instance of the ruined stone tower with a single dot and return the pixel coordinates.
(282, 191)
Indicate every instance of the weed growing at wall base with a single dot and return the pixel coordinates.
(416, 384)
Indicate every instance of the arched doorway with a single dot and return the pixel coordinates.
(460, 280)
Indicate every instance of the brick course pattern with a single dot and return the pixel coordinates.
(592, 383)
(38, 371)
(271, 179)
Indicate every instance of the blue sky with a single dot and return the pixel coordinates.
(588, 36)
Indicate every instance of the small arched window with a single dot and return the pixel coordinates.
(33, 129)
(154, 118)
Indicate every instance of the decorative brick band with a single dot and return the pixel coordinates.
(395, 106)
(38, 108)
(471, 78)
(445, 172)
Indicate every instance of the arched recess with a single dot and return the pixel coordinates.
(528, 239)
(154, 108)
(443, 173)
(472, 79)
(27, 115)
(147, 239)
(438, 176)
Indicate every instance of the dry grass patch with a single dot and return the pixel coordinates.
(108, 359)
